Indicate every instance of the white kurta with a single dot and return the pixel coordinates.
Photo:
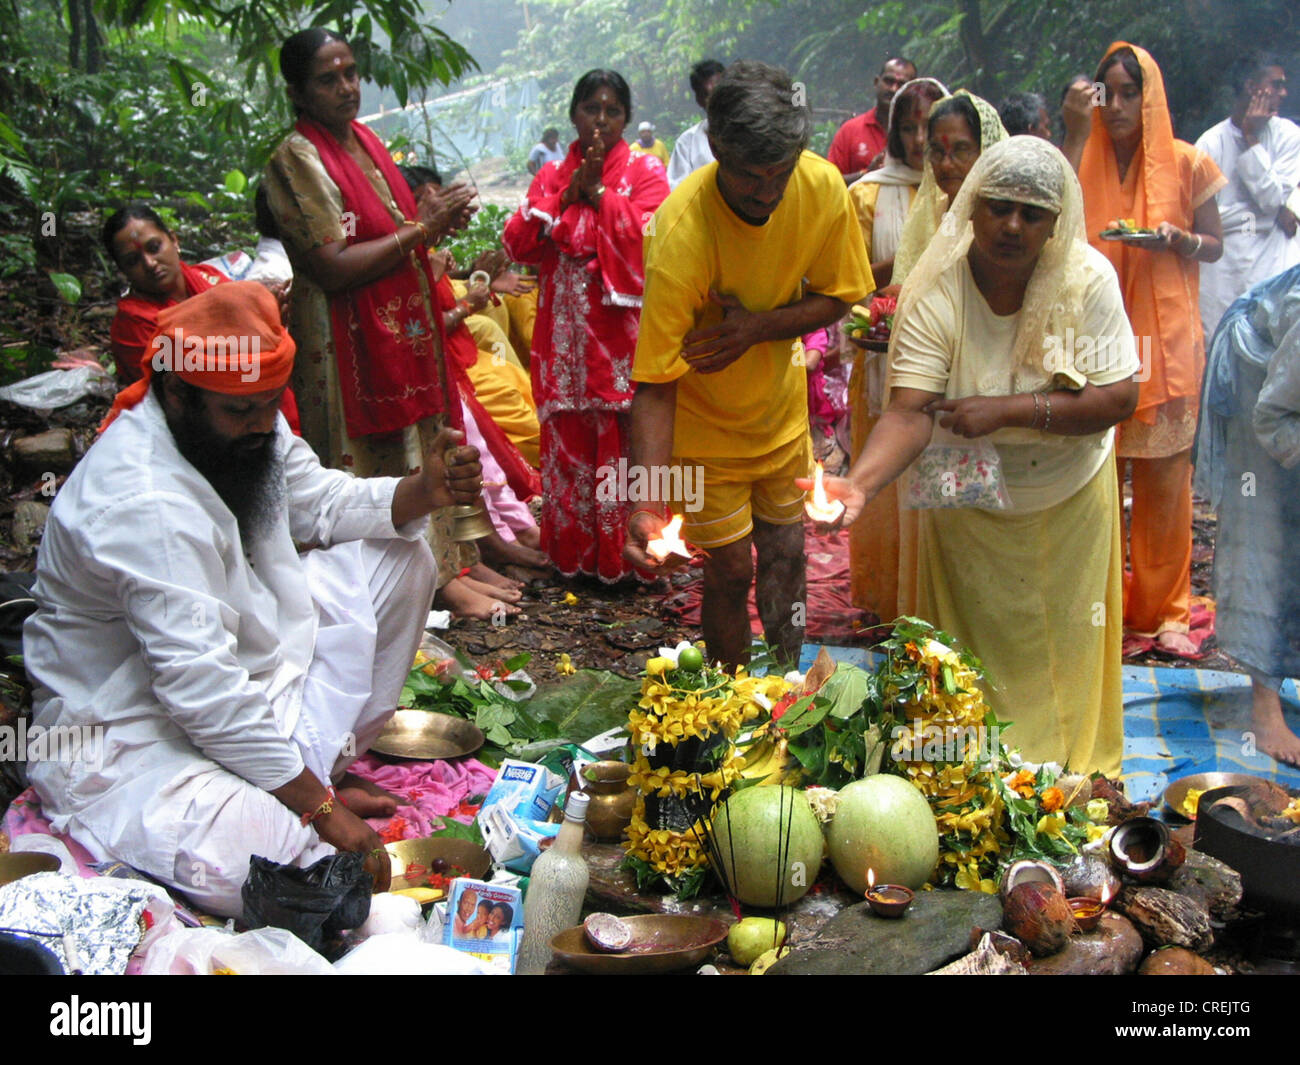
(1260, 179)
(217, 673)
(691, 152)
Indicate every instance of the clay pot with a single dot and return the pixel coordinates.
(612, 799)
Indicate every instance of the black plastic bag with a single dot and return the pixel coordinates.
(315, 903)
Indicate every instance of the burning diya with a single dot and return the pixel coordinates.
(668, 542)
(1087, 911)
(887, 900)
(821, 507)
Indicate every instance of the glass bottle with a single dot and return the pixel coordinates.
(557, 886)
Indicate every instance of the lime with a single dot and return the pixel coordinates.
(691, 659)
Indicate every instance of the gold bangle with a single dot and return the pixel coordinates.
(396, 240)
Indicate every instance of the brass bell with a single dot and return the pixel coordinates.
(470, 523)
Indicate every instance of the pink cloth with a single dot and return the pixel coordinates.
(509, 516)
(25, 817)
(436, 790)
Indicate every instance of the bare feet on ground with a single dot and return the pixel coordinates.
(1271, 733)
(512, 594)
(518, 554)
(366, 798)
(485, 574)
(465, 601)
(1177, 643)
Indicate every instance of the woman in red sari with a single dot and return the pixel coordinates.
(582, 223)
(149, 255)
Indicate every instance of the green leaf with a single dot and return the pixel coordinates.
(586, 704)
(846, 689)
(69, 287)
(518, 662)
(235, 182)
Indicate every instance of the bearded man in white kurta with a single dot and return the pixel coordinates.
(1259, 153)
(237, 619)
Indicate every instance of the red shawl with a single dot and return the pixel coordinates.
(386, 346)
(462, 353)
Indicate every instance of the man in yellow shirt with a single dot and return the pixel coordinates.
(746, 256)
(647, 142)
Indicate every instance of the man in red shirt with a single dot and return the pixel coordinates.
(863, 137)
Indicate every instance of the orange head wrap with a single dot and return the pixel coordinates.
(228, 339)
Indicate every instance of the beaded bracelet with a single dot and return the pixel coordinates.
(1047, 399)
(1037, 406)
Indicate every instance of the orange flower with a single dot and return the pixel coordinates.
(1052, 799)
(1022, 784)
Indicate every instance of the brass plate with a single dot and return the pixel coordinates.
(14, 865)
(661, 943)
(461, 852)
(426, 736)
(1177, 791)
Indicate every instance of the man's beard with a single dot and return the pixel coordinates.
(249, 480)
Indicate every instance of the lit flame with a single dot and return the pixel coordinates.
(820, 507)
(871, 878)
(668, 542)
(1106, 893)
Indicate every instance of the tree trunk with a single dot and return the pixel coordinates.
(976, 46)
(94, 39)
(74, 33)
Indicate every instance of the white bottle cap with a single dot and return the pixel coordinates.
(576, 808)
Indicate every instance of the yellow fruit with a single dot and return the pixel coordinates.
(767, 959)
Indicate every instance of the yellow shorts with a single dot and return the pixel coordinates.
(735, 491)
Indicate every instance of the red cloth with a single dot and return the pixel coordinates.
(588, 311)
(387, 349)
(857, 142)
(831, 617)
(462, 353)
(581, 532)
(136, 322)
(592, 277)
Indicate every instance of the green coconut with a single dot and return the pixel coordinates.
(770, 843)
(885, 824)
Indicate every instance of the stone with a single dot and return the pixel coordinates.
(1211, 882)
(934, 930)
(984, 960)
(54, 450)
(1113, 948)
(1165, 918)
(1176, 961)
(29, 521)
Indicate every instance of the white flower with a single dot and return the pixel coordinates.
(671, 653)
(794, 677)
(762, 700)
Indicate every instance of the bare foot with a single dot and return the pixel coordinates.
(1271, 733)
(493, 591)
(530, 537)
(487, 575)
(366, 798)
(465, 602)
(1177, 643)
(517, 554)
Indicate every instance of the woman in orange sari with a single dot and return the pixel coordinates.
(1120, 139)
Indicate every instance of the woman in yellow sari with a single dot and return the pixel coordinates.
(1031, 588)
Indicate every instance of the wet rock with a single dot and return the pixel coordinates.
(1211, 882)
(1176, 961)
(935, 930)
(1165, 918)
(29, 522)
(1112, 949)
(54, 450)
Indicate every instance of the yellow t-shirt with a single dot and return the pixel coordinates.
(658, 149)
(811, 243)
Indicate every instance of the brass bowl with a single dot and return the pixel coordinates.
(14, 865)
(1177, 791)
(426, 735)
(661, 943)
(470, 857)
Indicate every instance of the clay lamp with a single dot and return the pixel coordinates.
(668, 542)
(1087, 911)
(887, 900)
(820, 507)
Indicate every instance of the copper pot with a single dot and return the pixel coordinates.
(612, 799)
